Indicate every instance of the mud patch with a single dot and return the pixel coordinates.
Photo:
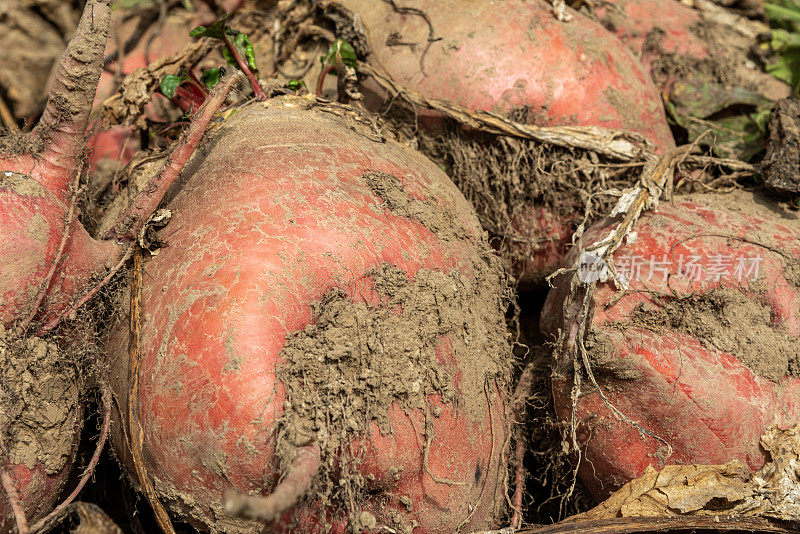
(39, 410)
(729, 321)
(433, 333)
(21, 184)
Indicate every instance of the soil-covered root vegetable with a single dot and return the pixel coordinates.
(324, 289)
(46, 256)
(701, 351)
(40, 425)
(517, 60)
(46, 260)
(515, 57)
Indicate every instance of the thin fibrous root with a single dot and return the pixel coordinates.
(147, 201)
(294, 485)
(87, 297)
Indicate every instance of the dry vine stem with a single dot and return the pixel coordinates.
(135, 432)
(617, 144)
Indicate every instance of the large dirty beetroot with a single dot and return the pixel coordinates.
(47, 260)
(37, 172)
(700, 351)
(516, 59)
(517, 56)
(327, 300)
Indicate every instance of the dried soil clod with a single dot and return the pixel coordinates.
(781, 164)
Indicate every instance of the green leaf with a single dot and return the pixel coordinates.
(738, 118)
(216, 30)
(170, 83)
(782, 14)
(245, 48)
(296, 85)
(211, 77)
(344, 51)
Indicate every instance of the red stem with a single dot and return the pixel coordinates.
(59, 255)
(197, 83)
(321, 78)
(286, 494)
(146, 202)
(519, 402)
(257, 90)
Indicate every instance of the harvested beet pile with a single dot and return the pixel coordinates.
(399, 266)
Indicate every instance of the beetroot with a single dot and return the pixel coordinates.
(520, 56)
(329, 296)
(702, 354)
(517, 60)
(653, 29)
(36, 173)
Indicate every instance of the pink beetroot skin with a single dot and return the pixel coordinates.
(288, 217)
(652, 28)
(36, 174)
(705, 365)
(514, 55)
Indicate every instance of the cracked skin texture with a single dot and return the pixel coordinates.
(275, 214)
(502, 56)
(708, 370)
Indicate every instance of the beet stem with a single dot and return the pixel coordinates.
(89, 471)
(257, 90)
(321, 79)
(66, 115)
(13, 497)
(286, 494)
(146, 202)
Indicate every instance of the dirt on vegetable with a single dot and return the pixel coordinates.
(729, 321)
(39, 403)
(345, 370)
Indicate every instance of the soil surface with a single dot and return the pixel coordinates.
(38, 404)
